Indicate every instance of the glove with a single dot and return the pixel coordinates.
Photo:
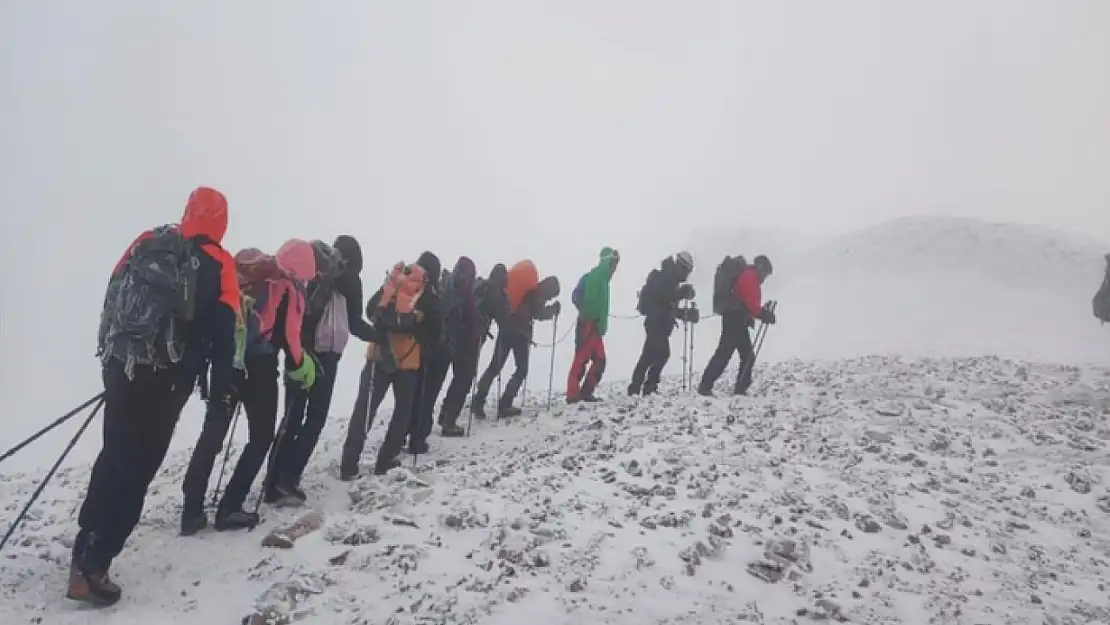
(557, 307)
(305, 374)
(686, 291)
(767, 316)
(693, 315)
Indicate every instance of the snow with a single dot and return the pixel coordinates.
(926, 443)
(878, 490)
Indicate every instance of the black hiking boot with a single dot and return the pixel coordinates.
(509, 411)
(633, 391)
(236, 520)
(93, 588)
(705, 392)
(591, 398)
(452, 431)
(193, 520)
(290, 491)
(385, 467)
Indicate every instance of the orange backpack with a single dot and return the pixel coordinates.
(400, 293)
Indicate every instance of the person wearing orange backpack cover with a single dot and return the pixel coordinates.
(275, 290)
(153, 344)
(527, 298)
(406, 316)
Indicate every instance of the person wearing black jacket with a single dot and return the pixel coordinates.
(324, 335)
(659, 304)
(408, 349)
(434, 363)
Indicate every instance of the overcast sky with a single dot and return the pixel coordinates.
(506, 128)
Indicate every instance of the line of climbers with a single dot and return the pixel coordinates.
(180, 310)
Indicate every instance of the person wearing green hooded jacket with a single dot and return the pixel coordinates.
(591, 296)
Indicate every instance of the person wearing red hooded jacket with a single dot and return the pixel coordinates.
(736, 320)
(143, 400)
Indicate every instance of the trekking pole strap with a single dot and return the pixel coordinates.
(60, 420)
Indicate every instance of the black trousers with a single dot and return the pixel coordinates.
(433, 372)
(308, 413)
(464, 368)
(520, 347)
(258, 394)
(373, 384)
(653, 358)
(734, 338)
(139, 419)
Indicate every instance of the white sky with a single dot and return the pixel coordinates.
(512, 128)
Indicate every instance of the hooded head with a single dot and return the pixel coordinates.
(351, 252)
(763, 267)
(522, 279)
(297, 257)
(430, 263)
(464, 274)
(205, 215)
(499, 276)
(548, 289)
(610, 258)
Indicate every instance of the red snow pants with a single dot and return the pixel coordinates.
(589, 349)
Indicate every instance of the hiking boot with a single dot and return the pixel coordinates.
(236, 520)
(271, 495)
(418, 447)
(591, 398)
(509, 411)
(572, 400)
(633, 391)
(385, 467)
(705, 392)
(93, 588)
(193, 521)
(288, 491)
(452, 431)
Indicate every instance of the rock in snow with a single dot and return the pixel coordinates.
(875, 490)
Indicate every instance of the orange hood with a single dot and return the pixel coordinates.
(205, 214)
(523, 278)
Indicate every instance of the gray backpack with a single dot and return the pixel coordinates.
(150, 302)
(1101, 302)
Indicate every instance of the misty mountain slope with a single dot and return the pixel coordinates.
(931, 286)
(876, 490)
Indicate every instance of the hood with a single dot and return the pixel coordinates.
(430, 263)
(205, 215)
(499, 276)
(351, 252)
(523, 277)
(548, 289)
(297, 257)
(609, 258)
(464, 274)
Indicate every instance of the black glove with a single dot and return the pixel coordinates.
(686, 291)
(767, 315)
(556, 307)
(690, 315)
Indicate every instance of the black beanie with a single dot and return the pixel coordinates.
(351, 252)
(430, 263)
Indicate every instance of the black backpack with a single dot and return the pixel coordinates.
(1101, 301)
(723, 280)
(642, 303)
(329, 266)
(150, 302)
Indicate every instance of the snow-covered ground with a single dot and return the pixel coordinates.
(872, 490)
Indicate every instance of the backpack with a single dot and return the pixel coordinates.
(1101, 301)
(329, 266)
(723, 280)
(642, 303)
(401, 292)
(578, 295)
(149, 302)
(256, 271)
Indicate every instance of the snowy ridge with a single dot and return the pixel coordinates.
(872, 490)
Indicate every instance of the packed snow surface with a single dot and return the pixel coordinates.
(871, 490)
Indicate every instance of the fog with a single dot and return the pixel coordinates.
(512, 129)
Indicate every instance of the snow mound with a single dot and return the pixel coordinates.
(873, 490)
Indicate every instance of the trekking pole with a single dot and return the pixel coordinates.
(551, 369)
(369, 399)
(274, 450)
(499, 392)
(693, 327)
(685, 345)
(760, 336)
(60, 420)
(420, 406)
(227, 454)
(53, 470)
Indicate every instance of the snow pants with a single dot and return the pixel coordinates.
(520, 346)
(307, 412)
(734, 338)
(435, 363)
(373, 384)
(139, 419)
(258, 394)
(464, 367)
(589, 349)
(656, 353)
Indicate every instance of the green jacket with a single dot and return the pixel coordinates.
(595, 291)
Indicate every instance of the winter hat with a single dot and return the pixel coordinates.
(763, 264)
(685, 260)
(430, 263)
(298, 258)
(499, 275)
(351, 252)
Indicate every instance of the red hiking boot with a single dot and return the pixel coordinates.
(92, 588)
